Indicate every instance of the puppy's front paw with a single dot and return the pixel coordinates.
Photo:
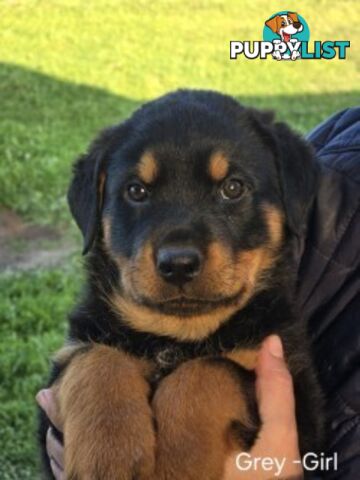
(108, 426)
(202, 414)
(111, 448)
(295, 55)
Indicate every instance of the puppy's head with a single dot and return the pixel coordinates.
(192, 198)
(285, 25)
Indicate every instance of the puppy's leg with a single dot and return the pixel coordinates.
(203, 410)
(108, 427)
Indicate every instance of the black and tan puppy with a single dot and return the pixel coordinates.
(188, 210)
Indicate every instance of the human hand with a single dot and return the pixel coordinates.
(278, 438)
(54, 448)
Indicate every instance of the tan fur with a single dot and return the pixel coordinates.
(147, 167)
(144, 319)
(218, 166)
(258, 261)
(140, 274)
(108, 430)
(222, 276)
(63, 355)
(274, 23)
(194, 408)
(251, 264)
(244, 357)
(275, 223)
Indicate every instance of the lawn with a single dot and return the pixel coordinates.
(70, 67)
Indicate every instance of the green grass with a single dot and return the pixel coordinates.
(70, 67)
(33, 310)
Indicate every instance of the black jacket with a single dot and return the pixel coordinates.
(329, 281)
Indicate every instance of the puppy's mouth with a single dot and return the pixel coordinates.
(184, 306)
(286, 36)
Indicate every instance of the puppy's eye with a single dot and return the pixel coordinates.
(232, 189)
(283, 24)
(136, 192)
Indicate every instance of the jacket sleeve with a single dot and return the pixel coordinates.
(329, 285)
(342, 385)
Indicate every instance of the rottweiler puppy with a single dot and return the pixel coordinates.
(189, 211)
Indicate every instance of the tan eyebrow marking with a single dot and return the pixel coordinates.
(147, 167)
(218, 166)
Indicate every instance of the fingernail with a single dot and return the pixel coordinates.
(43, 397)
(275, 346)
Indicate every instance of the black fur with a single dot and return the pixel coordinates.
(278, 167)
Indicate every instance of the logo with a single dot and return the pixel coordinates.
(286, 28)
(286, 36)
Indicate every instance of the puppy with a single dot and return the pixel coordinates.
(285, 26)
(189, 210)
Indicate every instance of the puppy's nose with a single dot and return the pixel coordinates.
(297, 24)
(178, 265)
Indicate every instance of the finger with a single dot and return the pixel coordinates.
(57, 472)
(46, 400)
(55, 449)
(274, 388)
(278, 434)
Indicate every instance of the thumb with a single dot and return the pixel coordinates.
(275, 393)
(47, 401)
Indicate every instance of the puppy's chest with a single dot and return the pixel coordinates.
(238, 341)
(167, 359)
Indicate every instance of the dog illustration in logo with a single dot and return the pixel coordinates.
(285, 25)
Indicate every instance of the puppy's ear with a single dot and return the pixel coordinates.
(272, 23)
(294, 17)
(298, 173)
(296, 166)
(86, 191)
